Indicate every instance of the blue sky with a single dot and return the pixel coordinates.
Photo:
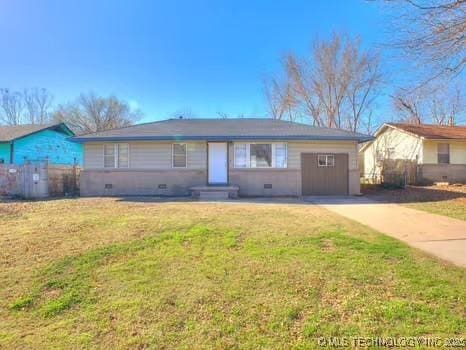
(201, 57)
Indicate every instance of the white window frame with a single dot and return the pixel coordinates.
(116, 164)
(248, 155)
(327, 164)
(173, 155)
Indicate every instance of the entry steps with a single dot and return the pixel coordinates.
(215, 192)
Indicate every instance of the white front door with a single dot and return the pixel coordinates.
(218, 162)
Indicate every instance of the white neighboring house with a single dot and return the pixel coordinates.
(428, 153)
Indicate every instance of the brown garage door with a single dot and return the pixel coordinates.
(324, 174)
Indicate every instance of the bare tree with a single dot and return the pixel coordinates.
(433, 33)
(408, 107)
(335, 87)
(281, 99)
(38, 103)
(440, 104)
(363, 88)
(12, 106)
(449, 109)
(91, 113)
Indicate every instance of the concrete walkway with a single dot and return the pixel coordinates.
(438, 235)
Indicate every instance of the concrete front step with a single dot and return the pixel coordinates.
(213, 195)
(214, 192)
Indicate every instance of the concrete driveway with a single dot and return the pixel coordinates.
(438, 235)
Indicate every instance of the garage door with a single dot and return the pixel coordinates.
(324, 174)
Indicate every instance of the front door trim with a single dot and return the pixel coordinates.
(227, 164)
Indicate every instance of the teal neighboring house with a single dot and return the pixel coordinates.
(21, 143)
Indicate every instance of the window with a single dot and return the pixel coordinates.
(281, 152)
(109, 155)
(325, 160)
(179, 155)
(443, 153)
(116, 155)
(261, 155)
(123, 155)
(241, 155)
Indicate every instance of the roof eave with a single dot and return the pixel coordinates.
(444, 139)
(359, 139)
(62, 126)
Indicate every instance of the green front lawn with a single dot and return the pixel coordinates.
(113, 274)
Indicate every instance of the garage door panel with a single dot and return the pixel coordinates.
(324, 180)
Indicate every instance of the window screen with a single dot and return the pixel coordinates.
(123, 155)
(443, 153)
(261, 155)
(281, 155)
(109, 155)
(179, 155)
(241, 155)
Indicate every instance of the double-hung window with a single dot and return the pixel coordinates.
(116, 155)
(443, 153)
(179, 155)
(261, 155)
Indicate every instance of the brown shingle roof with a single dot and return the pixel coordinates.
(11, 132)
(434, 131)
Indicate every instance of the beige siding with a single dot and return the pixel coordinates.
(288, 181)
(295, 148)
(151, 165)
(457, 152)
(404, 145)
(93, 155)
(149, 155)
(197, 155)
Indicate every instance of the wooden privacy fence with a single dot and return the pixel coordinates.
(39, 180)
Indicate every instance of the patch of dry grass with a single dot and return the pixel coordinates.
(105, 273)
(442, 200)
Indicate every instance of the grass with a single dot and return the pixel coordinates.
(454, 208)
(442, 200)
(106, 273)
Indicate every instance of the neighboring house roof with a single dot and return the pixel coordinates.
(424, 131)
(12, 132)
(435, 132)
(222, 129)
